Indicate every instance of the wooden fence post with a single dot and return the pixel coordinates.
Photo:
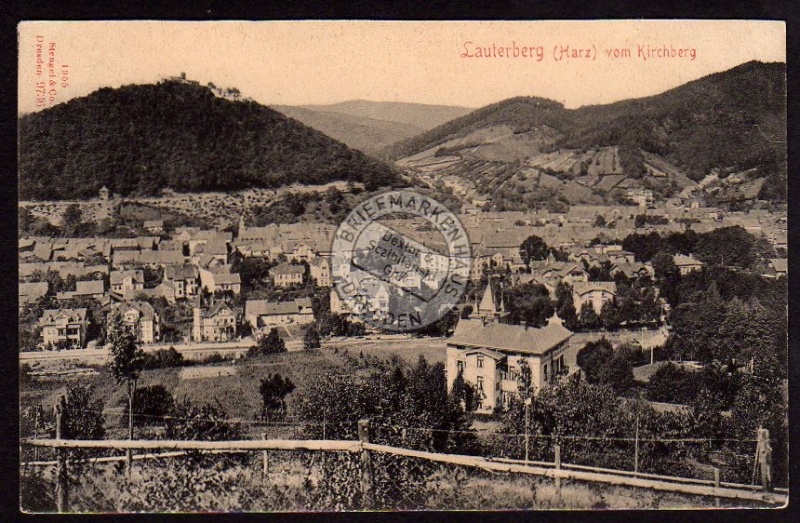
(765, 459)
(716, 485)
(265, 470)
(62, 478)
(367, 495)
(557, 449)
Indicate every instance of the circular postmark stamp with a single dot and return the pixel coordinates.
(400, 274)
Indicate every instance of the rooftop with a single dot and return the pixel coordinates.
(502, 337)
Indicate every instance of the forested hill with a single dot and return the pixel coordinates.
(139, 139)
(734, 119)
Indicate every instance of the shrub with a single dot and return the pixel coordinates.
(150, 405)
(162, 359)
(311, 339)
(269, 344)
(273, 390)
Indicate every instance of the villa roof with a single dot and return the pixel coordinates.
(515, 338)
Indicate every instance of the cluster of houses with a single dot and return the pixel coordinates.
(190, 263)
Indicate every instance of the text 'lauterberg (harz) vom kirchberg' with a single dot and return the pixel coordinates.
(569, 52)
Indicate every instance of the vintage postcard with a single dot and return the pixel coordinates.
(365, 266)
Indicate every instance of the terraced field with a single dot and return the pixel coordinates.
(495, 164)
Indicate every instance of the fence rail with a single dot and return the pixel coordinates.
(556, 470)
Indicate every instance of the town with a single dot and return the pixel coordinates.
(187, 285)
(546, 293)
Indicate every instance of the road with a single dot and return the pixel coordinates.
(194, 351)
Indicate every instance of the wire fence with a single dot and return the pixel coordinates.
(277, 475)
(693, 458)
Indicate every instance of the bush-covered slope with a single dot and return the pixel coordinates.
(521, 113)
(139, 139)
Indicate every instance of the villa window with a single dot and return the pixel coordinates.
(480, 383)
(480, 362)
(460, 366)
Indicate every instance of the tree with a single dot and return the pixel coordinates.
(533, 248)
(600, 272)
(442, 327)
(667, 275)
(593, 357)
(126, 361)
(600, 221)
(274, 389)
(152, 404)
(464, 393)
(311, 339)
(529, 304)
(525, 380)
(728, 246)
(587, 317)
(71, 219)
(25, 220)
(617, 373)
(83, 417)
(609, 315)
(466, 311)
(272, 343)
(565, 306)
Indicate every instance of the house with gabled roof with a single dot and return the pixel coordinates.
(687, 264)
(184, 278)
(124, 281)
(263, 315)
(620, 256)
(633, 270)
(321, 272)
(123, 259)
(286, 274)
(777, 268)
(220, 278)
(490, 356)
(85, 289)
(219, 322)
(31, 292)
(140, 317)
(598, 293)
(43, 251)
(64, 327)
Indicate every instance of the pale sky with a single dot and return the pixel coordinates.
(296, 63)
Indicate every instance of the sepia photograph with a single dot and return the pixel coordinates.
(327, 266)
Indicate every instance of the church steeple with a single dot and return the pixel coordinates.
(488, 305)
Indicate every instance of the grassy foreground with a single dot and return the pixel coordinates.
(313, 482)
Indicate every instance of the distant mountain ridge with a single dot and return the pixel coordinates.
(423, 116)
(368, 135)
(141, 139)
(371, 126)
(726, 122)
